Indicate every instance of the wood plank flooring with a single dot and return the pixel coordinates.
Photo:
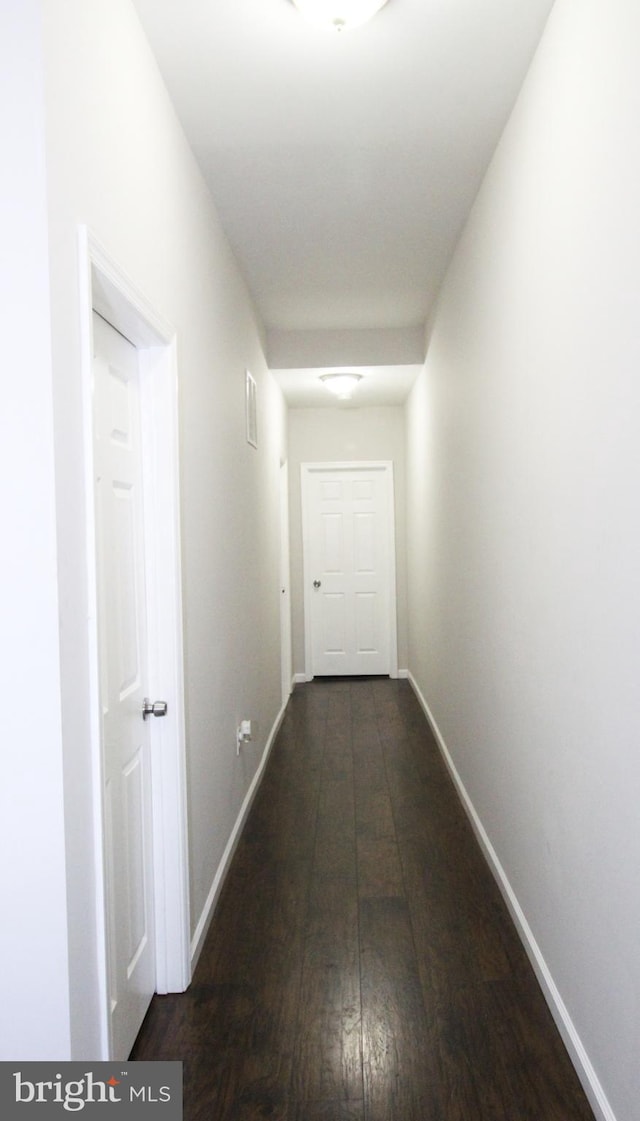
(361, 964)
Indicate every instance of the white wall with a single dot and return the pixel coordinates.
(117, 161)
(33, 936)
(345, 433)
(524, 540)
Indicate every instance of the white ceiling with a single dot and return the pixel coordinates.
(343, 165)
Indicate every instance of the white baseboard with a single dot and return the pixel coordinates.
(302, 679)
(204, 922)
(577, 1053)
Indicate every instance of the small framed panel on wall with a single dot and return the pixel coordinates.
(250, 409)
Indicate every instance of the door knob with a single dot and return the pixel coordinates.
(153, 708)
(317, 583)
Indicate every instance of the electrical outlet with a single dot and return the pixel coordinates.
(243, 734)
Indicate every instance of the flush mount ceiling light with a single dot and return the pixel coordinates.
(341, 15)
(342, 384)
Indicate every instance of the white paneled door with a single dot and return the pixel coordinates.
(285, 579)
(126, 736)
(349, 565)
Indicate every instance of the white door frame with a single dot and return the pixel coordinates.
(386, 469)
(108, 291)
(286, 660)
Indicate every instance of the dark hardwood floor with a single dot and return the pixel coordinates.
(361, 964)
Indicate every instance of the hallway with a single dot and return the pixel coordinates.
(361, 965)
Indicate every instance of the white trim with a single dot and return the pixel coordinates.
(204, 922)
(386, 467)
(286, 655)
(575, 1047)
(106, 289)
(300, 679)
(97, 808)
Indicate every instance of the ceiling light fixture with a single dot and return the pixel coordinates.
(342, 384)
(341, 15)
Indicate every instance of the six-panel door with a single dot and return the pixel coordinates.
(349, 565)
(123, 678)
